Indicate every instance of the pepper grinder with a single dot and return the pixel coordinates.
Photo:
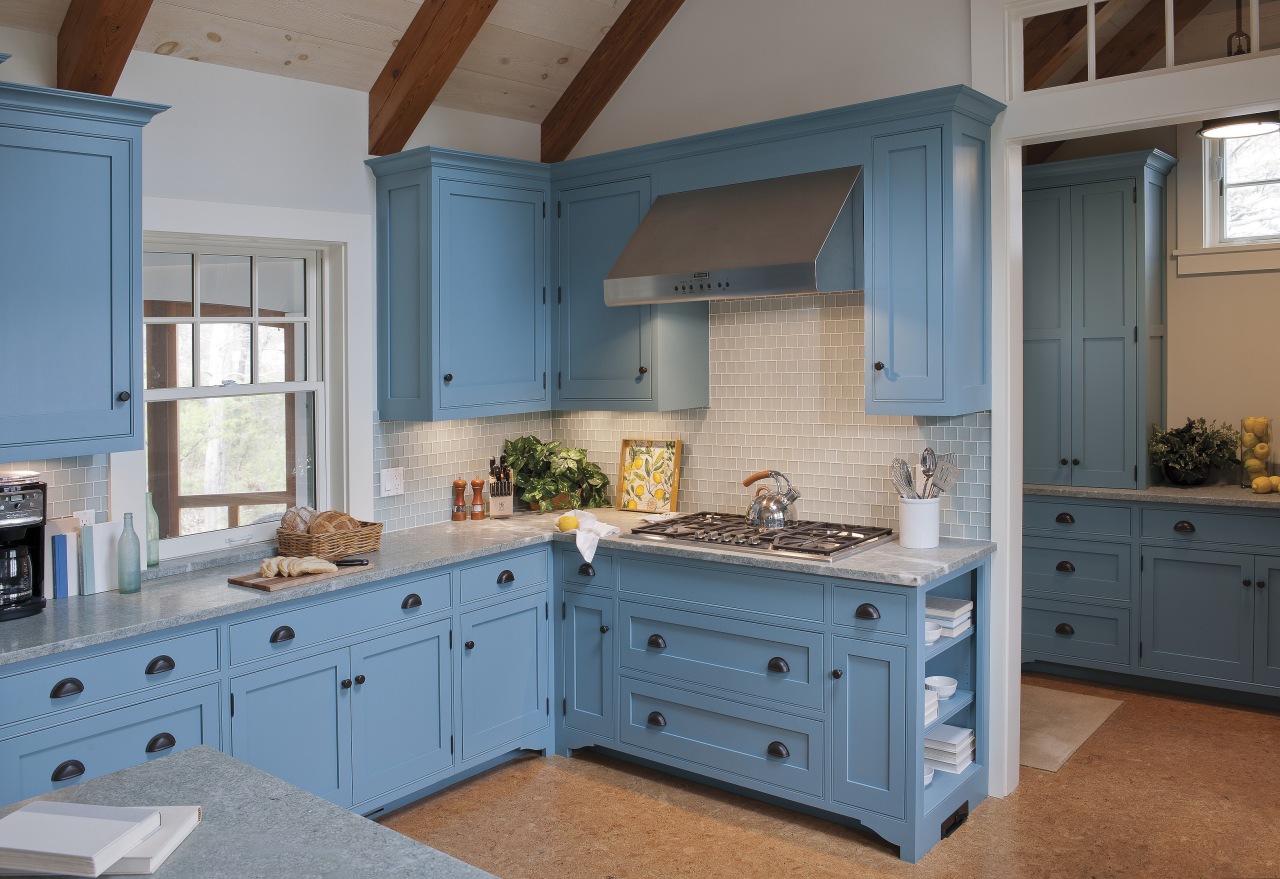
(477, 499)
(459, 500)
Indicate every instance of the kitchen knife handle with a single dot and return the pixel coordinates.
(161, 663)
(779, 750)
(655, 718)
(67, 771)
(657, 642)
(66, 687)
(162, 742)
(779, 665)
(411, 601)
(867, 612)
(1064, 629)
(1065, 567)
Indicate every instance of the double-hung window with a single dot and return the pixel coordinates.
(1245, 174)
(235, 401)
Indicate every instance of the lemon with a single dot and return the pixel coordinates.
(567, 522)
(1249, 440)
(631, 504)
(1262, 485)
(1254, 467)
(657, 476)
(659, 494)
(1250, 425)
(1275, 483)
(1262, 451)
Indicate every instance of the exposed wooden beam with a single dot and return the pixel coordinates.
(603, 74)
(428, 52)
(94, 43)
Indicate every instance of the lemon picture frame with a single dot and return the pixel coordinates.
(649, 475)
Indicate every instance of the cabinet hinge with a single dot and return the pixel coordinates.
(544, 295)
(546, 610)
(1135, 472)
(557, 210)
(1139, 649)
(544, 381)
(1135, 332)
(544, 210)
(451, 639)
(564, 707)
(233, 704)
(548, 706)
(1142, 563)
(1135, 195)
(559, 295)
(450, 744)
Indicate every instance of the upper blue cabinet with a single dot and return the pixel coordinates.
(70, 272)
(462, 285)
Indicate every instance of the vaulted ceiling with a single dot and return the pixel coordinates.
(512, 58)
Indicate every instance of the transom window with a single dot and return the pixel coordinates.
(1247, 185)
(234, 388)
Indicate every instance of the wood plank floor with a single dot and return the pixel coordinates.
(1166, 787)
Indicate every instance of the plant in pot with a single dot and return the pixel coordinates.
(1186, 454)
(549, 476)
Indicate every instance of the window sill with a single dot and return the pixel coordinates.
(1229, 260)
(251, 552)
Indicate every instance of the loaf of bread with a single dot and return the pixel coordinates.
(298, 519)
(283, 566)
(333, 520)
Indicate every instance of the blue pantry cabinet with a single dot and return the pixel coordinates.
(1093, 318)
(70, 271)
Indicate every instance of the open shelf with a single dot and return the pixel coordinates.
(949, 708)
(943, 644)
(944, 783)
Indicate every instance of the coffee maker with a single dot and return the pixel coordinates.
(22, 561)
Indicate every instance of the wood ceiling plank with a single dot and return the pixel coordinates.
(218, 39)
(41, 16)
(428, 53)
(506, 54)
(578, 23)
(605, 71)
(373, 24)
(481, 93)
(94, 43)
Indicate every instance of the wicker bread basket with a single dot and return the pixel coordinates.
(331, 546)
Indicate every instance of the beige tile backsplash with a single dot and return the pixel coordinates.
(787, 393)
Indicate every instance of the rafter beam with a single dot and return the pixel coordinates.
(426, 55)
(603, 74)
(94, 43)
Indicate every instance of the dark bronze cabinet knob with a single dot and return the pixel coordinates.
(1065, 567)
(837, 674)
(160, 664)
(779, 665)
(779, 750)
(1261, 584)
(1064, 462)
(604, 630)
(360, 679)
(1065, 519)
(162, 742)
(470, 645)
(867, 612)
(66, 687)
(448, 376)
(657, 642)
(1065, 629)
(655, 718)
(879, 366)
(346, 683)
(1248, 583)
(67, 771)
(644, 370)
(124, 396)
(1075, 462)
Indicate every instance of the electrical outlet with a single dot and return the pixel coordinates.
(86, 517)
(392, 481)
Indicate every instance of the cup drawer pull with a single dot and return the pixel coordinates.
(506, 578)
(1184, 527)
(161, 664)
(867, 612)
(1066, 567)
(411, 601)
(66, 687)
(1065, 519)
(657, 642)
(779, 750)
(161, 742)
(1064, 629)
(779, 665)
(655, 718)
(67, 771)
(586, 569)
(282, 634)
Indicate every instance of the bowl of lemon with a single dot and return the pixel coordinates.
(1255, 455)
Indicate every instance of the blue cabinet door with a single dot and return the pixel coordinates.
(490, 283)
(1197, 613)
(588, 633)
(294, 721)
(869, 726)
(602, 350)
(904, 297)
(402, 709)
(67, 267)
(504, 674)
(1104, 366)
(1046, 357)
(1266, 622)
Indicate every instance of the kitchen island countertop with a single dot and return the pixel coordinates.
(201, 595)
(1194, 495)
(255, 825)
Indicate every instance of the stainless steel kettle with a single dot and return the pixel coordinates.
(771, 508)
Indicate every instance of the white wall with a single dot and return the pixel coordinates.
(721, 63)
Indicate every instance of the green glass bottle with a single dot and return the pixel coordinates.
(128, 559)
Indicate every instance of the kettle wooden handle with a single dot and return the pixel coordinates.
(763, 474)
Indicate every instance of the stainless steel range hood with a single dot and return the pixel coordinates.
(783, 235)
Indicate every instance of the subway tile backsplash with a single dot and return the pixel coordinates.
(787, 393)
(75, 484)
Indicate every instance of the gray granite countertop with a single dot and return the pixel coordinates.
(201, 595)
(255, 825)
(1196, 495)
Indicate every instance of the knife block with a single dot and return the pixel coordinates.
(499, 505)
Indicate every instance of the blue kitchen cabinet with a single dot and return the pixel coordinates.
(462, 278)
(869, 714)
(631, 357)
(505, 677)
(1094, 318)
(587, 643)
(70, 268)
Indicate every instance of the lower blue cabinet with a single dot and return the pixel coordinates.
(47, 759)
(1266, 617)
(588, 638)
(869, 726)
(505, 692)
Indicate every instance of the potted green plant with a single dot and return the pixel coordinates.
(549, 476)
(1186, 454)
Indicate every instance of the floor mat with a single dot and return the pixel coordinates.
(1056, 723)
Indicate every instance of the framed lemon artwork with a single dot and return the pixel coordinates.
(649, 475)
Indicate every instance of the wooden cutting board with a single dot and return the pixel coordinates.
(275, 584)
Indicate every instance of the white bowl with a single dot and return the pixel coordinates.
(932, 631)
(944, 686)
(928, 775)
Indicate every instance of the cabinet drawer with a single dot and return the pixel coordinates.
(753, 743)
(870, 611)
(94, 746)
(1191, 527)
(1077, 630)
(305, 626)
(504, 576)
(765, 661)
(1076, 568)
(93, 678)
(723, 586)
(597, 572)
(1068, 517)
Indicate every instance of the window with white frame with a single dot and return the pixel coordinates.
(234, 388)
(1244, 187)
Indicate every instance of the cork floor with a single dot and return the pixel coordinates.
(1166, 787)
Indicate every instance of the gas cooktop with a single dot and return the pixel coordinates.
(819, 541)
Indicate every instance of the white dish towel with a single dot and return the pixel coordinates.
(589, 531)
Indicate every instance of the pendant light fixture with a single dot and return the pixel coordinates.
(1241, 126)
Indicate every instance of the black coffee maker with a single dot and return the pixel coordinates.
(22, 561)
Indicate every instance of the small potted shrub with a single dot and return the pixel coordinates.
(1187, 454)
(549, 476)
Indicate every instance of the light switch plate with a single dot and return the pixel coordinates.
(392, 482)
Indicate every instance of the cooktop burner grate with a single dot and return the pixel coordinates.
(821, 541)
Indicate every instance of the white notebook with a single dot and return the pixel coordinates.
(946, 608)
(176, 824)
(956, 768)
(70, 838)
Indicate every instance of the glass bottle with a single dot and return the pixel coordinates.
(153, 535)
(128, 561)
